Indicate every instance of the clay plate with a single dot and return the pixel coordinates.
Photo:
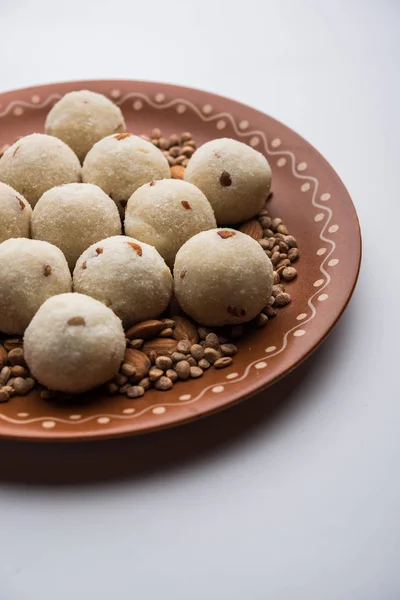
(307, 194)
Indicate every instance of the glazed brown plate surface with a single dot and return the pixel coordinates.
(307, 195)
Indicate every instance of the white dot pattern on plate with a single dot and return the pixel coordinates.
(160, 97)
(305, 187)
(48, 424)
(115, 94)
(325, 197)
(137, 105)
(276, 143)
(281, 162)
(302, 166)
(218, 389)
(333, 262)
(321, 251)
(261, 365)
(128, 411)
(158, 410)
(270, 349)
(318, 217)
(207, 109)
(254, 141)
(23, 415)
(180, 109)
(299, 332)
(301, 316)
(322, 297)
(18, 111)
(243, 124)
(318, 283)
(221, 124)
(35, 99)
(185, 397)
(232, 375)
(75, 417)
(333, 228)
(103, 420)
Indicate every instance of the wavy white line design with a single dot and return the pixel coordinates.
(242, 134)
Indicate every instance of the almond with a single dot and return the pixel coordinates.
(177, 172)
(252, 228)
(139, 360)
(185, 330)
(3, 356)
(161, 346)
(145, 330)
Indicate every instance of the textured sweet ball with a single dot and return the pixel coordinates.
(166, 214)
(74, 216)
(15, 214)
(235, 178)
(82, 118)
(74, 343)
(121, 163)
(30, 272)
(127, 275)
(36, 163)
(222, 277)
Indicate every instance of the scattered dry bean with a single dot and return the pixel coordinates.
(120, 379)
(195, 372)
(197, 351)
(261, 320)
(228, 349)
(128, 370)
(172, 374)
(155, 374)
(5, 375)
(135, 391)
(182, 369)
(289, 273)
(183, 346)
(203, 332)
(221, 363)
(293, 254)
(204, 364)
(164, 363)
(145, 383)
(163, 384)
(282, 299)
(212, 341)
(211, 354)
(16, 357)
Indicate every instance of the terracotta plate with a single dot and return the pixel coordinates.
(308, 195)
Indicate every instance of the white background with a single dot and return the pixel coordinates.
(292, 495)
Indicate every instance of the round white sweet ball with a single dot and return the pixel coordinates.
(73, 217)
(15, 214)
(74, 343)
(166, 214)
(222, 277)
(127, 275)
(30, 272)
(36, 163)
(235, 178)
(121, 163)
(82, 118)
